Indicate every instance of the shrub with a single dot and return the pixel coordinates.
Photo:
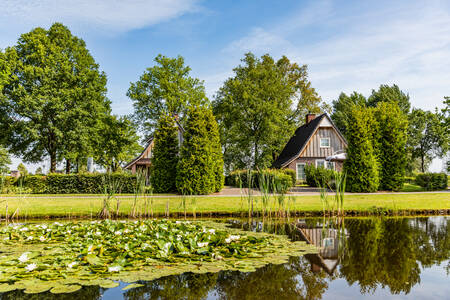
(274, 176)
(290, 173)
(200, 167)
(165, 156)
(432, 181)
(319, 176)
(361, 165)
(7, 184)
(74, 183)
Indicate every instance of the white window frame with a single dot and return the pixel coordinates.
(296, 171)
(329, 142)
(321, 160)
(333, 164)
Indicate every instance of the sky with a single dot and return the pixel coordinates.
(347, 45)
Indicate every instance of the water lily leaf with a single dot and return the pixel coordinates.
(132, 286)
(5, 287)
(108, 284)
(65, 289)
(36, 289)
(93, 259)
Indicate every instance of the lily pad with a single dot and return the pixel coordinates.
(132, 286)
(65, 289)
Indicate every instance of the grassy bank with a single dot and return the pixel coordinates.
(71, 206)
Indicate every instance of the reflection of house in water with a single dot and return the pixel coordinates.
(327, 240)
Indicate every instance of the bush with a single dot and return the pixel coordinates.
(274, 175)
(432, 181)
(319, 177)
(290, 173)
(7, 184)
(75, 183)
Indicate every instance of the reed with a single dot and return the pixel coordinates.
(264, 187)
(138, 190)
(110, 187)
(340, 182)
(250, 197)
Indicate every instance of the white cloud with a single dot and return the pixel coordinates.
(407, 45)
(108, 15)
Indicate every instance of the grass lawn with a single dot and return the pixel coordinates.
(408, 187)
(70, 206)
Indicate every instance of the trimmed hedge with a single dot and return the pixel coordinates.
(290, 173)
(319, 176)
(274, 175)
(74, 183)
(432, 181)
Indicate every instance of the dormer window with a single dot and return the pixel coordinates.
(324, 142)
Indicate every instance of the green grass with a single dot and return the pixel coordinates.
(66, 206)
(409, 187)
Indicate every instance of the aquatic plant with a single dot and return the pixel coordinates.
(110, 187)
(63, 257)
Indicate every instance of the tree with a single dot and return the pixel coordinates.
(387, 93)
(425, 135)
(259, 108)
(361, 165)
(200, 168)
(116, 142)
(165, 155)
(39, 171)
(5, 161)
(53, 96)
(22, 169)
(392, 145)
(342, 107)
(166, 88)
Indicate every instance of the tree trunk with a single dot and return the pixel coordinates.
(422, 163)
(53, 162)
(68, 166)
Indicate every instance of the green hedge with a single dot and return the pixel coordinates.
(290, 173)
(319, 176)
(7, 185)
(274, 175)
(432, 181)
(74, 183)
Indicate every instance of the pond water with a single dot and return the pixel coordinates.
(360, 258)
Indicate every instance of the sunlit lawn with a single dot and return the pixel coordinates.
(66, 206)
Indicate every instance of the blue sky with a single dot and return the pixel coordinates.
(347, 45)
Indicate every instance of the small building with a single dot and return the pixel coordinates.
(143, 161)
(317, 142)
(15, 173)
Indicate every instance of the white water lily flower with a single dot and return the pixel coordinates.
(29, 238)
(24, 229)
(114, 269)
(72, 264)
(57, 224)
(42, 238)
(232, 238)
(98, 233)
(178, 222)
(44, 226)
(144, 246)
(90, 248)
(48, 230)
(24, 257)
(15, 227)
(118, 232)
(126, 231)
(212, 231)
(201, 245)
(31, 267)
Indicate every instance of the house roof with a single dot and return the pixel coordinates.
(149, 142)
(298, 142)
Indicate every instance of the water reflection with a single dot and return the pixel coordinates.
(371, 255)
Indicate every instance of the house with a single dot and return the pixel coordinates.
(317, 142)
(143, 160)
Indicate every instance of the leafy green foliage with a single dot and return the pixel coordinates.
(387, 93)
(22, 169)
(74, 183)
(392, 134)
(319, 176)
(290, 173)
(53, 96)
(165, 156)
(240, 178)
(259, 108)
(63, 257)
(166, 88)
(200, 168)
(342, 107)
(361, 165)
(432, 181)
(5, 161)
(426, 136)
(116, 143)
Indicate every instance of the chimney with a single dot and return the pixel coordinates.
(310, 117)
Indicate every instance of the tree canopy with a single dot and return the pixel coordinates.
(386, 93)
(342, 107)
(52, 95)
(5, 160)
(165, 88)
(259, 108)
(116, 142)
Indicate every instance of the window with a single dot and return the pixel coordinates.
(330, 165)
(324, 142)
(320, 163)
(301, 171)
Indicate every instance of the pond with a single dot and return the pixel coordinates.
(359, 258)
